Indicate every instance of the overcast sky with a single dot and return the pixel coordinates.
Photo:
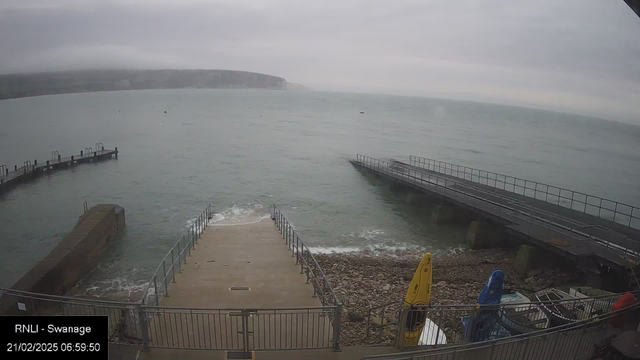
(580, 56)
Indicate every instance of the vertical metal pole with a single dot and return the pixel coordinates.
(166, 286)
(572, 193)
(600, 208)
(337, 327)
(293, 244)
(173, 272)
(179, 257)
(144, 327)
(155, 290)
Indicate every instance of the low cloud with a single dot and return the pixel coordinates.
(574, 55)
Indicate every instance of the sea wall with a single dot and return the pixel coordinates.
(74, 257)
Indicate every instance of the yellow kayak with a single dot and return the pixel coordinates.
(418, 295)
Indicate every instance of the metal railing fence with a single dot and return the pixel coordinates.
(508, 210)
(56, 158)
(314, 274)
(306, 260)
(572, 341)
(511, 318)
(615, 211)
(241, 329)
(172, 262)
(126, 320)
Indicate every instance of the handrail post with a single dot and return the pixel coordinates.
(144, 327)
(293, 244)
(166, 286)
(193, 244)
(179, 260)
(337, 327)
(173, 270)
(155, 289)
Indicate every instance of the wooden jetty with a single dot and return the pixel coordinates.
(573, 230)
(31, 170)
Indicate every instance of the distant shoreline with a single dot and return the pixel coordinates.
(14, 86)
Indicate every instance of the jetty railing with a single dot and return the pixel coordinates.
(577, 340)
(172, 262)
(314, 273)
(615, 211)
(533, 217)
(308, 264)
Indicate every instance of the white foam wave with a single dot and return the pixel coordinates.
(118, 285)
(373, 248)
(240, 215)
(371, 234)
(333, 249)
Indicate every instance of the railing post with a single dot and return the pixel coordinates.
(164, 271)
(144, 327)
(293, 244)
(173, 270)
(194, 239)
(337, 327)
(179, 260)
(155, 290)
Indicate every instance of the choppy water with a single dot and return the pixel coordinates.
(242, 151)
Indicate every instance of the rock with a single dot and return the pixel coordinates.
(391, 318)
(386, 287)
(375, 320)
(472, 295)
(441, 283)
(354, 317)
(534, 272)
(362, 291)
(529, 280)
(407, 277)
(381, 276)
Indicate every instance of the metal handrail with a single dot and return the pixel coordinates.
(178, 255)
(576, 227)
(396, 308)
(582, 324)
(475, 175)
(434, 180)
(65, 299)
(299, 249)
(635, 293)
(313, 271)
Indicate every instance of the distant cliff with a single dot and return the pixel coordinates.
(23, 85)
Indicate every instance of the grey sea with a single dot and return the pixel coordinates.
(243, 150)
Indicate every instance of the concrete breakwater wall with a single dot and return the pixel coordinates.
(72, 259)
